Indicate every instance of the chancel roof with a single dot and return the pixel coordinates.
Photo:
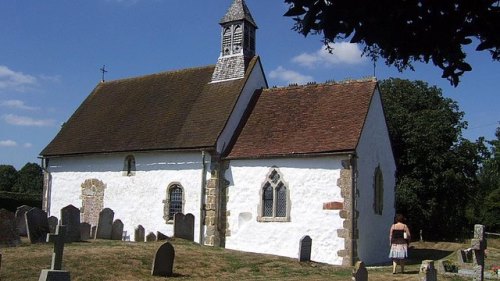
(166, 111)
(304, 120)
(238, 11)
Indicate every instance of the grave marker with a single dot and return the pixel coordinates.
(163, 261)
(9, 235)
(37, 225)
(151, 237)
(160, 236)
(105, 225)
(85, 231)
(55, 273)
(478, 244)
(117, 230)
(70, 217)
(305, 246)
(139, 234)
(53, 222)
(359, 273)
(21, 220)
(184, 226)
(427, 271)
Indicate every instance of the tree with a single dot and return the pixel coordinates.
(8, 177)
(30, 179)
(436, 167)
(406, 31)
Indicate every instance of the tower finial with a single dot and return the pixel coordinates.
(103, 70)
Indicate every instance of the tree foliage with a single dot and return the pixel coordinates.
(406, 31)
(30, 179)
(436, 167)
(8, 177)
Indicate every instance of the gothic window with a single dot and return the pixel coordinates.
(275, 199)
(378, 187)
(174, 203)
(129, 166)
(226, 41)
(237, 39)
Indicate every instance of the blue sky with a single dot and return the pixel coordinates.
(51, 53)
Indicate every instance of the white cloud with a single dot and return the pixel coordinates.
(17, 104)
(28, 145)
(27, 121)
(8, 143)
(289, 76)
(17, 81)
(342, 53)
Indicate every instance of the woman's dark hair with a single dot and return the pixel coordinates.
(400, 218)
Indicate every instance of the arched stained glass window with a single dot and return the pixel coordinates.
(174, 203)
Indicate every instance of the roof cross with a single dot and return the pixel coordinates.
(103, 70)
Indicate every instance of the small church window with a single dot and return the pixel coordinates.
(129, 166)
(275, 202)
(226, 41)
(174, 202)
(237, 39)
(378, 187)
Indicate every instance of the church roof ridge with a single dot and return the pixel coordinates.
(238, 11)
(327, 83)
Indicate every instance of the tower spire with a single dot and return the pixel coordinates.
(237, 42)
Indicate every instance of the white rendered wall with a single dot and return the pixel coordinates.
(256, 80)
(374, 149)
(134, 199)
(311, 182)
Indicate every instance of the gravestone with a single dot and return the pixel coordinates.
(53, 222)
(84, 231)
(184, 226)
(305, 246)
(93, 231)
(160, 236)
(70, 217)
(478, 244)
(55, 273)
(139, 234)
(105, 225)
(151, 237)
(117, 230)
(359, 273)
(427, 271)
(9, 236)
(163, 261)
(37, 225)
(21, 220)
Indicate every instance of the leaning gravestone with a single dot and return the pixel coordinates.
(20, 219)
(105, 225)
(427, 271)
(53, 222)
(70, 217)
(55, 273)
(37, 225)
(9, 235)
(163, 262)
(117, 230)
(151, 237)
(139, 234)
(305, 246)
(184, 226)
(359, 273)
(160, 236)
(84, 231)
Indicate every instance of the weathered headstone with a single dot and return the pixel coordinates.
(160, 236)
(84, 231)
(305, 246)
(184, 226)
(427, 271)
(53, 222)
(37, 225)
(9, 235)
(163, 261)
(21, 220)
(105, 225)
(70, 217)
(93, 231)
(139, 234)
(478, 244)
(55, 273)
(359, 273)
(151, 237)
(117, 230)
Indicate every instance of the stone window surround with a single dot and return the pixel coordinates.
(378, 191)
(260, 211)
(129, 166)
(166, 202)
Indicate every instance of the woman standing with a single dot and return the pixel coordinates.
(399, 235)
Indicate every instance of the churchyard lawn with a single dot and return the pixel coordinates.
(116, 260)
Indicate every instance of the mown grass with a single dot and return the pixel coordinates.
(115, 260)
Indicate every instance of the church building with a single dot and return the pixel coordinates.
(258, 168)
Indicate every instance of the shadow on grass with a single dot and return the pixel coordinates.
(416, 256)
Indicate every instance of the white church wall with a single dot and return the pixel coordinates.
(136, 199)
(374, 149)
(255, 81)
(311, 182)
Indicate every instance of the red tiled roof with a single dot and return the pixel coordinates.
(311, 119)
(164, 111)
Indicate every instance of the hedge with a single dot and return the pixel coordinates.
(12, 200)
